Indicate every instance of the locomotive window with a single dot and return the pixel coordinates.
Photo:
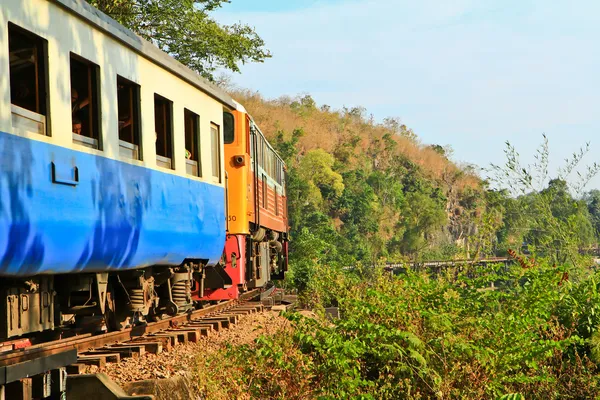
(163, 127)
(248, 133)
(192, 148)
(28, 77)
(262, 153)
(84, 102)
(280, 173)
(258, 150)
(252, 148)
(128, 104)
(215, 145)
(228, 128)
(267, 159)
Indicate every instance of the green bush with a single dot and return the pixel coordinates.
(452, 335)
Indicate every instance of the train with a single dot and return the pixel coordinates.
(130, 188)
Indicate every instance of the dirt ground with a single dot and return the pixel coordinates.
(182, 359)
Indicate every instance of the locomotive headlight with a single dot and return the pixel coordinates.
(239, 160)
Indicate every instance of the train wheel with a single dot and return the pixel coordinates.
(115, 320)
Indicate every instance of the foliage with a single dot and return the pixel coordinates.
(552, 223)
(424, 336)
(369, 191)
(184, 29)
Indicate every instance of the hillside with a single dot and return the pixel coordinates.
(371, 189)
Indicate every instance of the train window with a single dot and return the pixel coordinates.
(267, 160)
(257, 148)
(163, 128)
(248, 133)
(128, 104)
(215, 145)
(228, 128)
(253, 148)
(280, 173)
(262, 153)
(84, 102)
(192, 148)
(28, 78)
(272, 166)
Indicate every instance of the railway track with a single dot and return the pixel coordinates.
(32, 371)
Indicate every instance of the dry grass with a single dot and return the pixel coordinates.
(326, 129)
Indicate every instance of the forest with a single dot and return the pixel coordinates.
(361, 192)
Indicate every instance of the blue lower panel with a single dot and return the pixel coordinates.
(64, 211)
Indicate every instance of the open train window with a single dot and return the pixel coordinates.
(128, 99)
(228, 128)
(85, 102)
(192, 144)
(28, 78)
(163, 128)
(215, 145)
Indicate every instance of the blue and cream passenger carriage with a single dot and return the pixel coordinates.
(112, 183)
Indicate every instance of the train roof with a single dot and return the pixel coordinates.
(109, 26)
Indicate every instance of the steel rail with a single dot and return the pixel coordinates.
(87, 341)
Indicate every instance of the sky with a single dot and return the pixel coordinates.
(471, 74)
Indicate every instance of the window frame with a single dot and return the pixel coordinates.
(196, 147)
(215, 158)
(41, 115)
(136, 120)
(226, 115)
(166, 160)
(94, 110)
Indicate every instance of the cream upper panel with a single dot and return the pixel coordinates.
(66, 34)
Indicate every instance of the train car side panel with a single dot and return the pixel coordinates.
(66, 211)
(268, 218)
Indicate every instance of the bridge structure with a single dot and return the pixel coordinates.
(442, 264)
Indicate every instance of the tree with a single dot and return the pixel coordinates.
(316, 168)
(592, 199)
(395, 125)
(423, 216)
(555, 225)
(184, 29)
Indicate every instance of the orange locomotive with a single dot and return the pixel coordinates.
(256, 249)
